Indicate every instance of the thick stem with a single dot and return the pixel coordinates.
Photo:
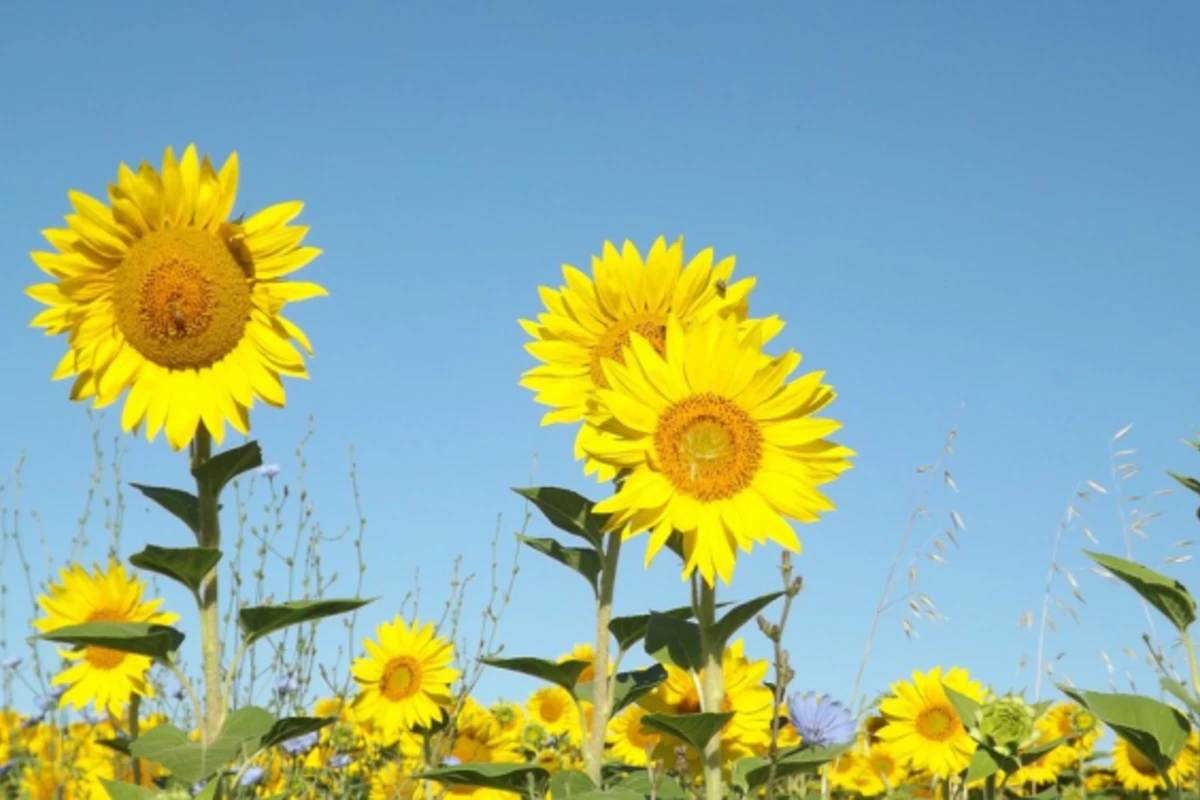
(713, 687)
(135, 703)
(1191, 654)
(601, 684)
(210, 621)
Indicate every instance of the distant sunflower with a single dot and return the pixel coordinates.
(405, 678)
(553, 709)
(392, 781)
(583, 652)
(589, 321)
(509, 716)
(160, 292)
(719, 446)
(108, 678)
(1077, 725)
(480, 740)
(628, 742)
(1137, 773)
(923, 728)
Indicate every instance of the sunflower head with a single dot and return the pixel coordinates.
(1006, 723)
(159, 292)
(923, 727)
(405, 678)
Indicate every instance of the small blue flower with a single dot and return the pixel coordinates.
(340, 761)
(12, 662)
(58, 691)
(820, 720)
(6, 768)
(300, 745)
(198, 787)
(252, 776)
(30, 722)
(451, 761)
(286, 685)
(268, 471)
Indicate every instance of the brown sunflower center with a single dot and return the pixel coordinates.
(1139, 762)
(181, 298)
(553, 708)
(937, 723)
(650, 324)
(401, 679)
(102, 657)
(708, 447)
(882, 764)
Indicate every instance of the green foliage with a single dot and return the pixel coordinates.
(291, 727)
(506, 777)
(1176, 688)
(723, 629)
(1158, 731)
(213, 475)
(628, 687)
(190, 761)
(631, 630)
(671, 640)
(181, 504)
(751, 774)
(186, 565)
(563, 674)
(259, 621)
(569, 783)
(568, 511)
(664, 787)
(1166, 594)
(118, 790)
(140, 638)
(695, 729)
(584, 560)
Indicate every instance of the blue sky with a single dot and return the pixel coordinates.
(981, 215)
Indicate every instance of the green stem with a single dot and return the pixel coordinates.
(601, 682)
(989, 788)
(197, 709)
(1191, 654)
(135, 704)
(210, 622)
(713, 686)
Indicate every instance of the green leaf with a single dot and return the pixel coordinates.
(1158, 731)
(140, 638)
(611, 794)
(213, 790)
(568, 511)
(190, 761)
(219, 470)
(695, 729)
(186, 565)
(631, 630)
(1190, 483)
(291, 727)
(631, 686)
(665, 788)
(1026, 757)
(752, 773)
(505, 777)
(570, 783)
(563, 674)
(183, 505)
(724, 628)
(119, 790)
(1166, 594)
(117, 745)
(1177, 689)
(670, 640)
(583, 560)
(983, 764)
(966, 707)
(259, 621)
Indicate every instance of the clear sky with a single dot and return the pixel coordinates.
(983, 214)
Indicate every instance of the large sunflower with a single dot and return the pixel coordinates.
(159, 291)
(922, 726)
(719, 446)
(1136, 772)
(405, 678)
(628, 741)
(589, 321)
(105, 677)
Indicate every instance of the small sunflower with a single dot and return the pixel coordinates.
(160, 292)
(628, 741)
(590, 320)
(553, 709)
(1075, 723)
(583, 652)
(719, 446)
(405, 679)
(1137, 773)
(509, 716)
(392, 781)
(479, 739)
(923, 728)
(108, 678)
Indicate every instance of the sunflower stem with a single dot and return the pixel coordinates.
(210, 621)
(711, 650)
(1190, 647)
(601, 684)
(135, 703)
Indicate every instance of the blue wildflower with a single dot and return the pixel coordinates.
(299, 745)
(268, 471)
(820, 720)
(12, 662)
(252, 776)
(286, 685)
(340, 761)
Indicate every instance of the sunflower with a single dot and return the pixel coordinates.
(718, 445)
(589, 321)
(106, 677)
(405, 679)
(1137, 773)
(509, 716)
(628, 741)
(1076, 724)
(479, 740)
(583, 652)
(923, 728)
(160, 292)
(554, 710)
(392, 781)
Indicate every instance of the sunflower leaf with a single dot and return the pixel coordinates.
(751, 774)
(186, 565)
(964, 706)
(1037, 751)
(723, 629)
(520, 778)
(695, 729)
(1156, 730)
(1166, 594)
(219, 470)
(570, 783)
(629, 687)
(664, 787)
(670, 640)
(609, 794)
(139, 638)
(117, 745)
(291, 727)
(189, 761)
(183, 505)
(568, 511)
(119, 790)
(631, 630)
(983, 765)
(583, 560)
(259, 621)
(564, 674)
(1177, 689)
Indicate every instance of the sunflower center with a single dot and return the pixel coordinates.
(1140, 763)
(102, 657)
(552, 708)
(882, 764)
(638, 737)
(1082, 722)
(401, 679)
(708, 447)
(689, 703)
(651, 324)
(181, 298)
(937, 723)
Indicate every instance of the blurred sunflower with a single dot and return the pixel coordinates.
(719, 446)
(583, 652)
(509, 716)
(923, 728)
(105, 677)
(405, 679)
(627, 740)
(554, 710)
(1075, 723)
(1137, 773)
(392, 781)
(589, 321)
(159, 292)
(479, 739)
